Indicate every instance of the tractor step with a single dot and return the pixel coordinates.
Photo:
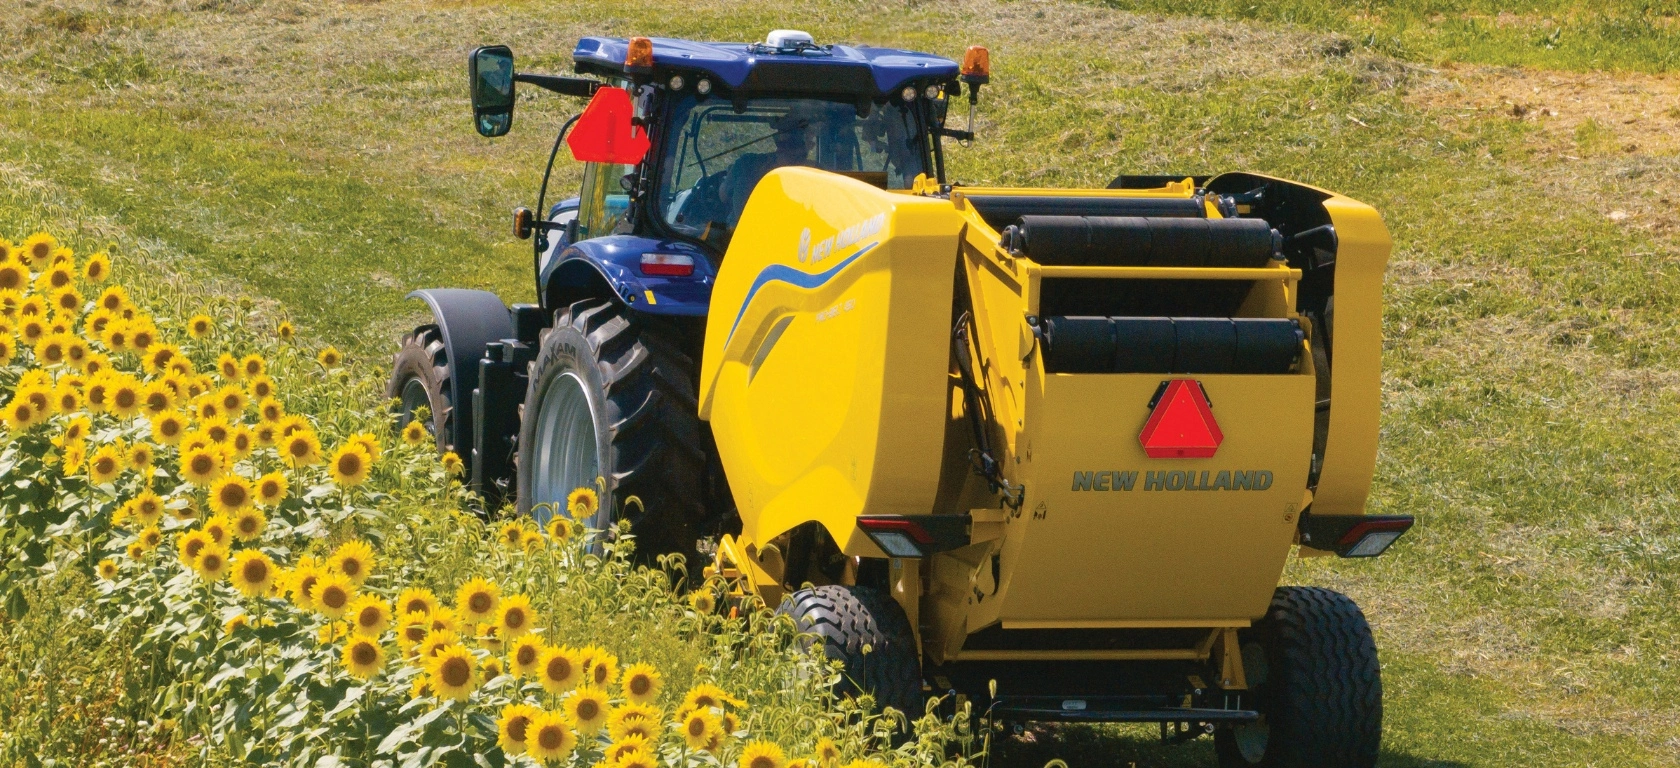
(1104, 709)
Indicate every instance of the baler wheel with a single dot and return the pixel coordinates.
(620, 404)
(420, 376)
(849, 618)
(1312, 666)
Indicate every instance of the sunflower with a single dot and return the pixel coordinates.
(532, 541)
(451, 463)
(601, 667)
(123, 397)
(525, 656)
(77, 353)
(38, 395)
(8, 348)
(270, 410)
(350, 465)
(219, 529)
(142, 335)
(333, 594)
(300, 449)
(150, 537)
(634, 742)
(452, 672)
(412, 630)
(37, 249)
(231, 495)
(184, 508)
(55, 277)
(827, 752)
(13, 275)
(66, 398)
(587, 708)
(263, 435)
(67, 300)
(559, 669)
(489, 637)
(332, 632)
(478, 598)
(549, 738)
(31, 329)
(33, 305)
(641, 683)
(232, 400)
(20, 414)
(490, 668)
(114, 335)
(436, 640)
(188, 545)
(285, 331)
(763, 754)
(512, 727)
(369, 615)
(301, 584)
(253, 572)
(106, 464)
(292, 424)
(50, 350)
(700, 728)
(252, 365)
(156, 399)
(363, 656)
(206, 408)
(235, 624)
(329, 358)
(416, 600)
(442, 619)
(107, 569)
(198, 326)
(260, 386)
(136, 551)
(97, 268)
(248, 524)
(181, 366)
(636, 758)
(414, 433)
(167, 427)
(271, 489)
(147, 508)
(582, 503)
(634, 720)
(240, 440)
(200, 466)
(354, 559)
(708, 696)
(211, 563)
(559, 528)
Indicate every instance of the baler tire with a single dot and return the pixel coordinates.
(423, 358)
(1321, 689)
(654, 444)
(848, 618)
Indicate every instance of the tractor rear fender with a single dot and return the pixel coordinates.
(612, 265)
(468, 320)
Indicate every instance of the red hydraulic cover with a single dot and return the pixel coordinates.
(605, 133)
(1182, 424)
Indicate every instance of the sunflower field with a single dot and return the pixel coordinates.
(215, 549)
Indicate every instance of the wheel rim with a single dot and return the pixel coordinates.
(414, 395)
(564, 449)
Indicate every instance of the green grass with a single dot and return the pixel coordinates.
(1547, 34)
(318, 158)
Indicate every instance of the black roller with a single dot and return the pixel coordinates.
(1002, 210)
(1128, 241)
(1194, 345)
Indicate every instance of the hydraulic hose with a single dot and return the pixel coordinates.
(540, 242)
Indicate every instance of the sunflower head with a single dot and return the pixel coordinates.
(827, 752)
(188, 546)
(582, 503)
(232, 400)
(453, 672)
(412, 629)
(271, 489)
(150, 537)
(350, 465)
(513, 727)
(353, 559)
(330, 358)
(260, 386)
(414, 433)
(490, 668)
(587, 709)
(136, 551)
(525, 656)
(106, 464)
(264, 435)
(219, 529)
(559, 528)
(641, 683)
(699, 728)
(270, 410)
(333, 594)
(253, 573)
(763, 754)
(559, 669)
(548, 737)
(231, 495)
(452, 465)
(301, 585)
(202, 465)
(13, 275)
(512, 533)
(211, 563)
(97, 268)
(478, 598)
(416, 600)
(248, 523)
(301, 448)
(634, 720)
(168, 427)
(621, 748)
(601, 667)
(199, 326)
(252, 366)
(369, 615)
(107, 569)
(363, 656)
(147, 508)
(285, 331)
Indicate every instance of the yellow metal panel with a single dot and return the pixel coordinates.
(1350, 453)
(825, 372)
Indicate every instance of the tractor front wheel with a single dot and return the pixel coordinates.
(420, 376)
(1312, 669)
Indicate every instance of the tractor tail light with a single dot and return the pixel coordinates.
(640, 56)
(1370, 538)
(667, 264)
(896, 536)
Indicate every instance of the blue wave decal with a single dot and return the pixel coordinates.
(781, 273)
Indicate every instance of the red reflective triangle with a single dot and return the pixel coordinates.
(605, 134)
(1182, 424)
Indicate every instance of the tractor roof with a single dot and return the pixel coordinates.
(759, 67)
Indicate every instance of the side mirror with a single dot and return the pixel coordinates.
(490, 75)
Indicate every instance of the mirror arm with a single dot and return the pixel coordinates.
(565, 86)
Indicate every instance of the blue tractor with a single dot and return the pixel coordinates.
(597, 378)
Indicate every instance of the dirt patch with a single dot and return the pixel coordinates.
(1590, 111)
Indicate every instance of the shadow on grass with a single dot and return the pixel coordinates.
(1136, 746)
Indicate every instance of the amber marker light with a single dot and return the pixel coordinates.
(977, 64)
(640, 56)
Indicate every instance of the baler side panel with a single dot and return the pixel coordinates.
(1350, 453)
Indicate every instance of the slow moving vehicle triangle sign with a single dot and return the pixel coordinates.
(606, 133)
(1182, 425)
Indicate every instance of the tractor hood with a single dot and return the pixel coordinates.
(757, 67)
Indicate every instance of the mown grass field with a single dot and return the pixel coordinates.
(317, 157)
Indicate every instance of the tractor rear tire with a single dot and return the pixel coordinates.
(849, 618)
(420, 376)
(625, 386)
(1312, 667)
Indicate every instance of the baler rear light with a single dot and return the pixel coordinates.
(667, 264)
(1373, 537)
(640, 56)
(896, 536)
